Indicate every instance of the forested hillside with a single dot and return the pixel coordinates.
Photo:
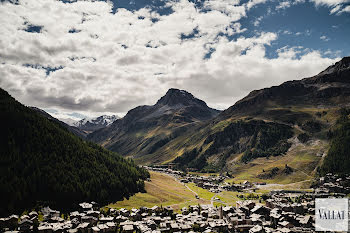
(41, 161)
(337, 159)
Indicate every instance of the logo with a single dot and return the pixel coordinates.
(331, 214)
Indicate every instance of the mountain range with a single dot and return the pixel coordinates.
(144, 129)
(287, 134)
(89, 125)
(285, 124)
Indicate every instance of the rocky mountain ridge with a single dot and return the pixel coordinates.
(93, 124)
(145, 128)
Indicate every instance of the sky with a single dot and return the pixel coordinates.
(77, 58)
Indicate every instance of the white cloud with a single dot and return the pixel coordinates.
(257, 21)
(345, 10)
(336, 5)
(283, 5)
(252, 3)
(324, 38)
(329, 2)
(335, 9)
(118, 61)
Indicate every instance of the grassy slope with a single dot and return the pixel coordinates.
(161, 190)
(301, 157)
(166, 191)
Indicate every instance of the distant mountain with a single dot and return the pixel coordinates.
(329, 88)
(72, 129)
(41, 162)
(271, 127)
(68, 121)
(145, 129)
(93, 124)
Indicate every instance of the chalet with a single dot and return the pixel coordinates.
(256, 229)
(124, 212)
(85, 207)
(285, 224)
(106, 219)
(155, 209)
(262, 210)
(83, 227)
(128, 228)
(247, 184)
(174, 227)
(306, 221)
(45, 229)
(184, 211)
(95, 206)
(93, 213)
(25, 225)
(33, 215)
(48, 213)
(75, 222)
(55, 219)
(89, 219)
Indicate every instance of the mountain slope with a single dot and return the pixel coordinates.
(76, 131)
(294, 116)
(41, 161)
(337, 159)
(92, 124)
(145, 129)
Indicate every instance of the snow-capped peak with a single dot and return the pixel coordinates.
(92, 124)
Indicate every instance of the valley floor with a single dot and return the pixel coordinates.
(162, 190)
(166, 190)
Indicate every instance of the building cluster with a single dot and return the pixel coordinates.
(278, 215)
(339, 186)
(214, 184)
(280, 211)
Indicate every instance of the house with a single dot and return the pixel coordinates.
(256, 229)
(89, 219)
(83, 227)
(128, 228)
(306, 221)
(155, 209)
(285, 224)
(95, 229)
(25, 225)
(11, 222)
(124, 212)
(247, 184)
(85, 206)
(259, 209)
(174, 227)
(106, 219)
(95, 206)
(45, 229)
(111, 226)
(93, 213)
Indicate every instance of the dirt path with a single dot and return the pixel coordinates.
(212, 200)
(191, 190)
